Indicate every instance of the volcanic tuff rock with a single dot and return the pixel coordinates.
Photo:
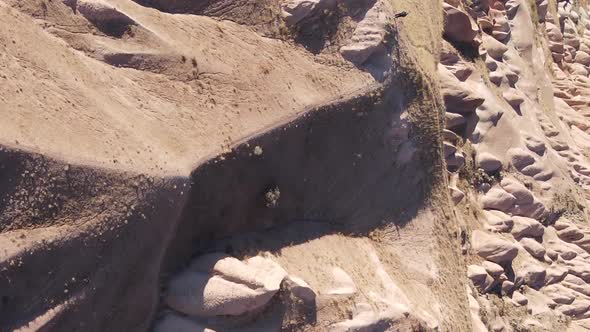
(318, 165)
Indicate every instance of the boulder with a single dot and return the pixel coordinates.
(531, 274)
(448, 149)
(488, 162)
(493, 248)
(559, 294)
(479, 277)
(583, 243)
(501, 28)
(526, 227)
(498, 221)
(456, 195)
(455, 161)
(294, 11)
(518, 190)
(582, 58)
(577, 284)
(493, 47)
(569, 233)
(535, 144)
(459, 97)
(458, 27)
(578, 268)
(368, 36)
(217, 284)
(555, 274)
(534, 210)
(300, 289)
(513, 97)
(101, 11)
(520, 158)
(493, 269)
(533, 247)
(454, 120)
(498, 199)
(577, 308)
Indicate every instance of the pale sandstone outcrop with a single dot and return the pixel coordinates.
(498, 199)
(217, 284)
(527, 227)
(488, 162)
(498, 221)
(458, 26)
(533, 247)
(369, 34)
(493, 248)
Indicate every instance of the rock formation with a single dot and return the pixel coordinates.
(294, 165)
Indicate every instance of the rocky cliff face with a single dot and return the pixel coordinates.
(513, 77)
(294, 165)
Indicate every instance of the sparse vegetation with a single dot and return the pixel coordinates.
(272, 197)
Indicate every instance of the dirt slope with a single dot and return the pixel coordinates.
(317, 165)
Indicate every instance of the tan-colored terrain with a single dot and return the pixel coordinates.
(294, 165)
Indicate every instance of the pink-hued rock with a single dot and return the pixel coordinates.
(217, 284)
(518, 190)
(531, 274)
(459, 97)
(493, 269)
(488, 162)
(456, 195)
(535, 144)
(559, 294)
(498, 199)
(458, 26)
(367, 38)
(520, 158)
(479, 277)
(498, 221)
(296, 10)
(493, 47)
(526, 227)
(519, 299)
(493, 248)
(555, 274)
(533, 247)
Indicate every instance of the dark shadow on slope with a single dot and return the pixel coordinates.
(263, 15)
(105, 263)
(330, 24)
(347, 166)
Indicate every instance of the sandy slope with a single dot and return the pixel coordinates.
(205, 84)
